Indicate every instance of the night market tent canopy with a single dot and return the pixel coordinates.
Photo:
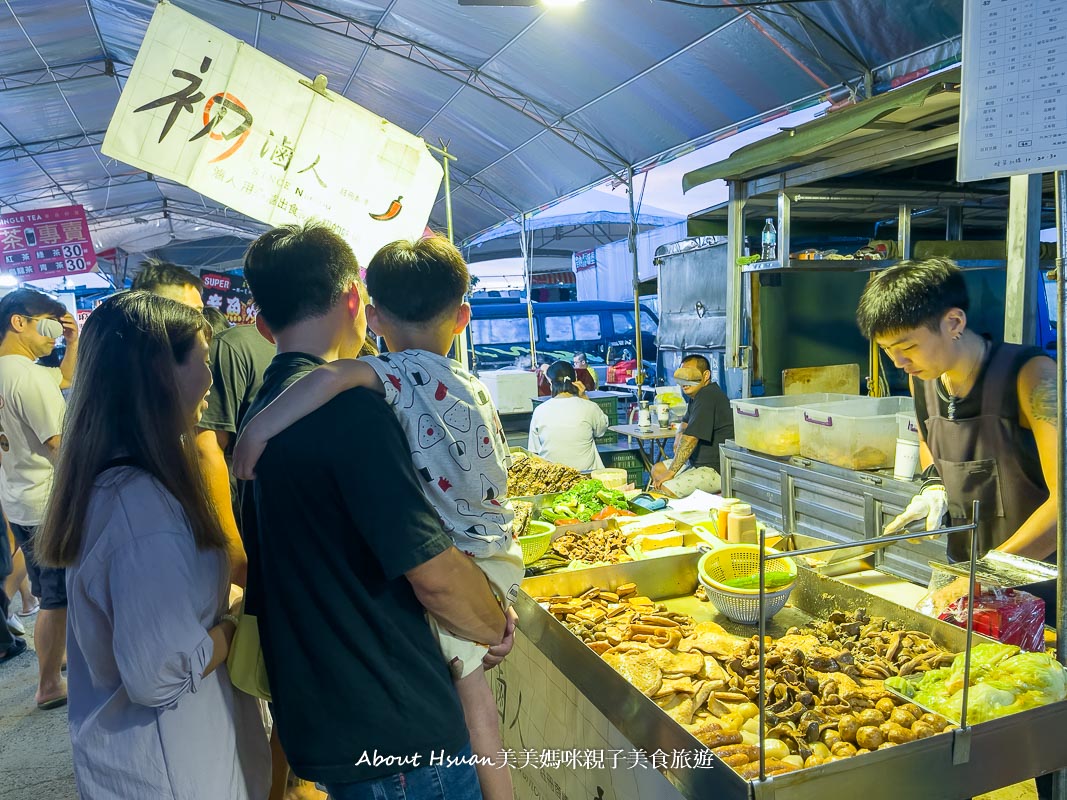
(535, 103)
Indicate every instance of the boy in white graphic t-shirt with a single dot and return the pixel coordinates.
(454, 434)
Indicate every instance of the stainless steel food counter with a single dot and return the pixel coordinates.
(798, 495)
(557, 695)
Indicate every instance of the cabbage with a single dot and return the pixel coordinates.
(1032, 674)
(985, 701)
(984, 657)
(1003, 681)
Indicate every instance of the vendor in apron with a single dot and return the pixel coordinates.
(986, 412)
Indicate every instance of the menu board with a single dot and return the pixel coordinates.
(45, 243)
(1013, 114)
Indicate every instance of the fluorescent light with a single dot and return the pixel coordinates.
(8, 281)
(561, 2)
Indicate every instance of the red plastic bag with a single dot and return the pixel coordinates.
(1007, 615)
(622, 371)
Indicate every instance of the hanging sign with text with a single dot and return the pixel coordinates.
(209, 111)
(45, 243)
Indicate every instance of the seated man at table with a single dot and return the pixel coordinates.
(583, 373)
(708, 422)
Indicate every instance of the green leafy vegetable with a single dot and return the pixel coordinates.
(584, 500)
(1003, 681)
(771, 580)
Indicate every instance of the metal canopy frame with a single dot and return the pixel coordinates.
(80, 51)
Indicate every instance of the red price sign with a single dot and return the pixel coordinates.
(46, 243)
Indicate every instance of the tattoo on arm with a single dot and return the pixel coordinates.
(1043, 400)
(682, 452)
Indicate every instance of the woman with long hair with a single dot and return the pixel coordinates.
(564, 428)
(152, 711)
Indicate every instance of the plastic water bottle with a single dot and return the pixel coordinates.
(769, 239)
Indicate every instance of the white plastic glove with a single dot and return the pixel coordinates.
(931, 503)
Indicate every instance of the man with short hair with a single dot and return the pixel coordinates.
(986, 412)
(170, 280)
(708, 422)
(239, 358)
(31, 423)
(336, 497)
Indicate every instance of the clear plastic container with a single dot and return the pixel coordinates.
(855, 434)
(771, 425)
(907, 426)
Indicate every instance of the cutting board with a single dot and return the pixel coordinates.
(843, 378)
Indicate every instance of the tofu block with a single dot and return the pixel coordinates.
(657, 541)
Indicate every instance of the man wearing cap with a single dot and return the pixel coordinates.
(708, 422)
(31, 422)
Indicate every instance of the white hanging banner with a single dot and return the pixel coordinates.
(1013, 108)
(210, 111)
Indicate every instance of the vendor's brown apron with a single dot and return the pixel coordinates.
(978, 459)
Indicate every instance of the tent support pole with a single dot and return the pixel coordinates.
(459, 346)
(632, 243)
(1059, 787)
(527, 265)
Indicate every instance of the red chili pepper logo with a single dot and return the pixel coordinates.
(391, 212)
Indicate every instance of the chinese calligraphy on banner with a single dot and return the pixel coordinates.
(46, 243)
(211, 112)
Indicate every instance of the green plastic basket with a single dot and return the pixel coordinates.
(536, 543)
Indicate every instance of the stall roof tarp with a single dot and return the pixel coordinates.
(535, 103)
(835, 127)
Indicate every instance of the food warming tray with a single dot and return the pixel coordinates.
(953, 765)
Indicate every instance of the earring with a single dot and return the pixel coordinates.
(956, 338)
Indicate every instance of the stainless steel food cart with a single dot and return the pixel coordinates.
(557, 695)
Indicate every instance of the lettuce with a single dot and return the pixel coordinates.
(1034, 674)
(1003, 681)
(587, 498)
(984, 658)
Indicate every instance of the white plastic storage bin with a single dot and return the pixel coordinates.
(855, 434)
(907, 426)
(512, 391)
(771, 425)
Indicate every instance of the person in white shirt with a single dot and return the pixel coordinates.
(564, 428)
(31, 421)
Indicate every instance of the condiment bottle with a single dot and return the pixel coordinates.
(741, 526)
(724, 514)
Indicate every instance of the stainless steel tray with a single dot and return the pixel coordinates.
(914, 679)
(949, 766)
(1003, 570)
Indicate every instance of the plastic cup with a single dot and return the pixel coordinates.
(663, 415)
(907, 460)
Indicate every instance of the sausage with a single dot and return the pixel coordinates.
(773, 766)
(715, 739)
(750, 751)
(736, 760)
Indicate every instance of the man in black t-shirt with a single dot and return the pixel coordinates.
(239, 357)
(357, 677)
(708, 422)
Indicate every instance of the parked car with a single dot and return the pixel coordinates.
(603, 330)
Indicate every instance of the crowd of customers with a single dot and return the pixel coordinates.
(176, 483)
(146, 555)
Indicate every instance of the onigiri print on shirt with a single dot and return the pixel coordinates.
(458, 445)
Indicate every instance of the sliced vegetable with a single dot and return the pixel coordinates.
(771, 580)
